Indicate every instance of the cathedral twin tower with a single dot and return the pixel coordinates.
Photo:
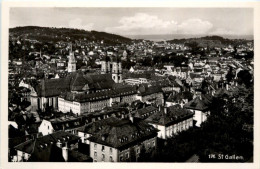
(113, 66)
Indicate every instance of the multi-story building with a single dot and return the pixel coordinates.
(171, 120)
(56, 147)
(145, 112)
(69, 124)
(79, 103)
(152, 94)
(200, 107)
(122, 140)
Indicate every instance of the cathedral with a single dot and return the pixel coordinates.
(48, 92)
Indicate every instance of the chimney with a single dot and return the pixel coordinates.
(65, 152)
(159, 108)
(165, 110)
(227, 86)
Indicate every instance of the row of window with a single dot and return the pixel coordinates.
(103, 158)
(103, 148)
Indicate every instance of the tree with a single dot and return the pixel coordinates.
(244, 77)
(194, 47)
(223, 131)
(230, 74)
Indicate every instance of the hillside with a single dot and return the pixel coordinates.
(48, 34)
(211, 41)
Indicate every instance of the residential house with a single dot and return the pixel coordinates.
(122, 140)
(200, 106)
(171, 120)
(69, 124)
(56, 147)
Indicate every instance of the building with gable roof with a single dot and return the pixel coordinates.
(171, 120)
(56, 147)
(145, 112)
(200, 106)
(121, 140)
(152, 94)
(69, 124)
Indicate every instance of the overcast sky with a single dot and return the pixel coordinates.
(140, 21)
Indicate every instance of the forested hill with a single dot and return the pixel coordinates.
(211, 41)
(48, 34)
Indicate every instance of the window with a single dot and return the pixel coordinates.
(103, 157)
(111, 159)
(121, 158)
(111, 150)
(95, 146)
(103, 148)
(95, 154)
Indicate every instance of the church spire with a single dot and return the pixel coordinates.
(72, 61)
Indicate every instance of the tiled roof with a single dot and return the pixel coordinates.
(141, 113)
(173, 115)
(122, 133)
(75, 81)
(149, 90)
(65, 123)
(53, 87)
(179, 96)
(96, 126)
(198, 104)
(161, 83)
(83, 97)
(192, 76)
(44, 142)
(75, 156)
(51, 153)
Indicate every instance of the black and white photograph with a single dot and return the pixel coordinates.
(130, 85)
